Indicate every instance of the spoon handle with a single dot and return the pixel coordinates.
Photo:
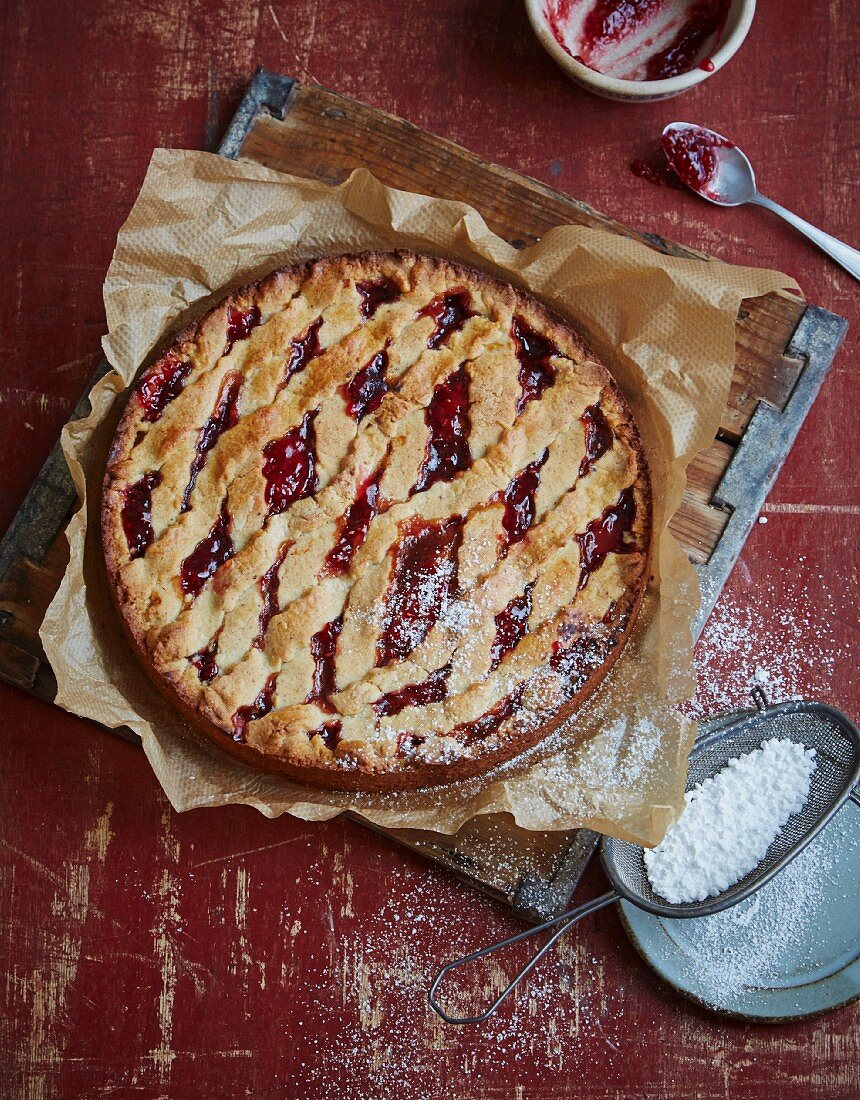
(843, 254)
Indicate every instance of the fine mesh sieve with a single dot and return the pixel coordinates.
(836, 741)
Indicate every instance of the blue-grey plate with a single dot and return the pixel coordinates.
(789, 951)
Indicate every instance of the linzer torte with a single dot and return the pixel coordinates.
(377, 522)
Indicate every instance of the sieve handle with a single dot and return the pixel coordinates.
(855, 795)
(565, 921)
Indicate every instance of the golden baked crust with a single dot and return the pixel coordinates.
(378, 521)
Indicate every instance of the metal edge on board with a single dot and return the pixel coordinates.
(764, 447)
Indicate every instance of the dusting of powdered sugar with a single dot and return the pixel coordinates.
(782, 641)
(730, 821)
(778, 931)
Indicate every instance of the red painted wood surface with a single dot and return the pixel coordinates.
(218, 953)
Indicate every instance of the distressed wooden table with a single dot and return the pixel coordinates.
(218, 953)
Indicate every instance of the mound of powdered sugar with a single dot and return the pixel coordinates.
(730, 821)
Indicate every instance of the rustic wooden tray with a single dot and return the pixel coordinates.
(784, 349)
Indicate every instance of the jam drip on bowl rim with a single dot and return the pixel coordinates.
(240, 324)
(206, 663)
(302, 350)
(353, 527)
(209, 554)
(136, 513)
(423, 581)
(289, 466)
(323, 651)
(704, 20)
(447, 417)
(377, 294)
(226, 416)
(450, 310)
(598, 438)
(534, 353)
(161, 385)
(261, 706)
(270, 582)
(605, 535)
(519, 501)
(512, 624)
(432, 690)
(364, 392)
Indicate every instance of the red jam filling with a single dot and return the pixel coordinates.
(375, 295)
(208, 555)
(519, 498)
(136, 513)
(290, 466)
(363, 394)
(161, 385)
(270, 582)
(450, 311)
(692, 155)
(576, 660)
(512, 624)
(656, 170)
(432, 690)
(408, 742)
(261, 706)
(703, 20)
(598, 438)
(424, 579)
(323, 650)
(606, 535)
(488, 724)
(534, 353)
(354, 525)
(240, 324)
(615, 32)
(302, 350)
(226, 416)
(447, 417)
(204, 660)
(330, 734)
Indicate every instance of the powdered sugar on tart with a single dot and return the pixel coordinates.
(377, 522)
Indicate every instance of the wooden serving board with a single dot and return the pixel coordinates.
(784, 349)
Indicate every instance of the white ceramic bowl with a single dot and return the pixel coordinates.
(642, 91)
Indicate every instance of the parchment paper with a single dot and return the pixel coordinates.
(666, 329)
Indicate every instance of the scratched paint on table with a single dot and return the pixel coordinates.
(222, 953)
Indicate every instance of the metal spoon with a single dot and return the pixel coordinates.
(716, 169)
